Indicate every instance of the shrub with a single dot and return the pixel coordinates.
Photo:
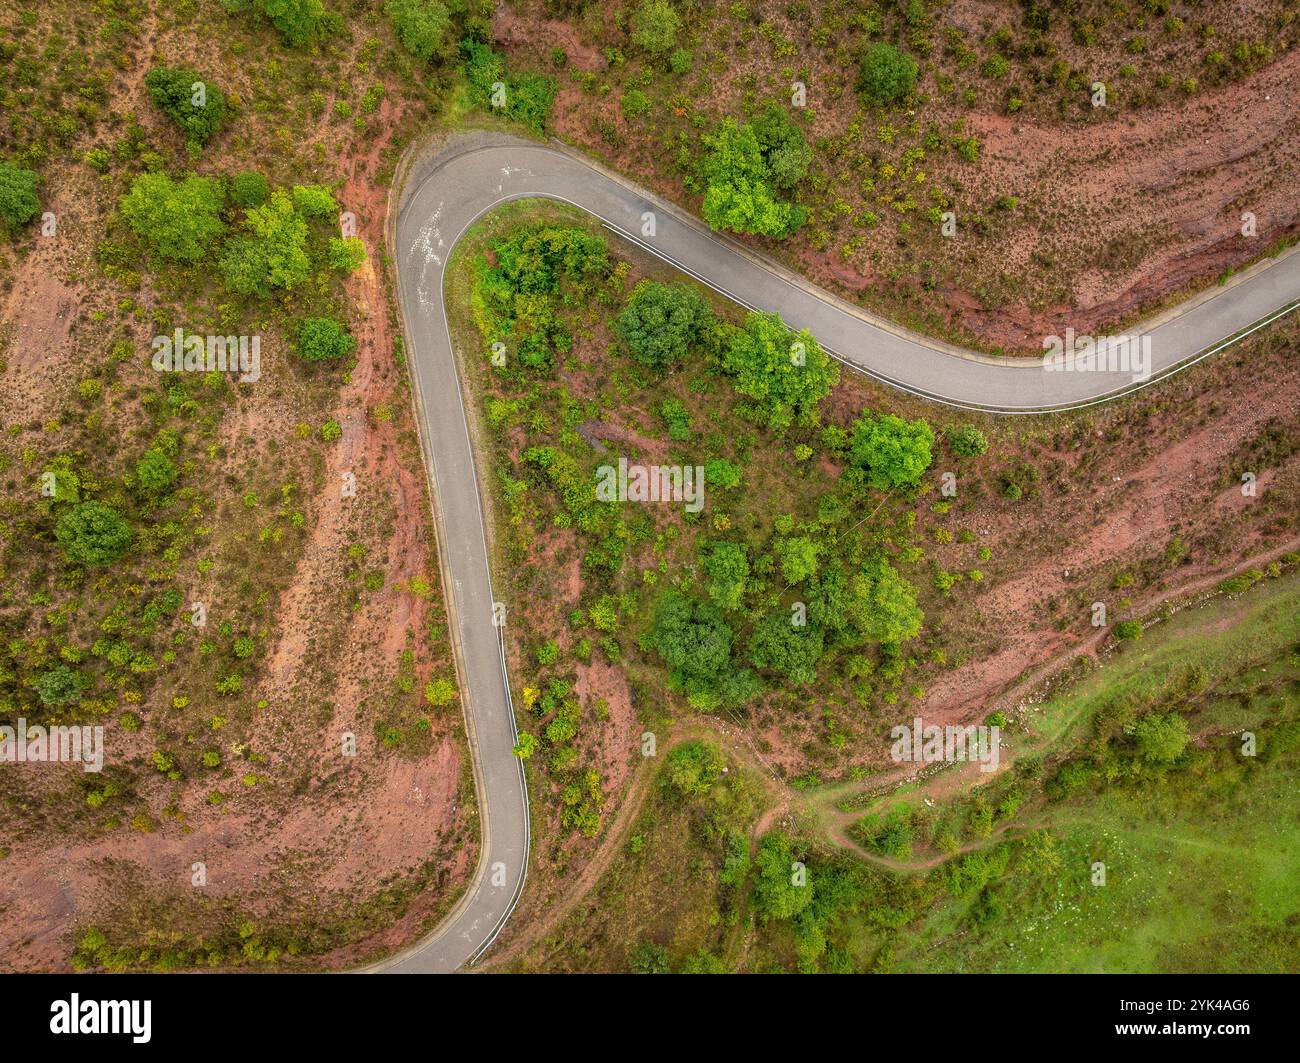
(967, 441)
(887, 75)
(421, 25)
(785, 374)
(655, 26)
(440, 692)
(739, 182)
(60, 685)
(692, 768)
(634, 103)
(273, 254)
(18, 200)
(1128, 630)
(1161, 737)
(313, 201)
(248, 188)
(323, 338)
(346, 255)
(155, 473)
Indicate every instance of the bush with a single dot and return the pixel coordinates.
(739, 182)
(322, 338)
(1128, 630)
(1161, 737)
(249, 188)
(346, 255)
(634, 103)
(60, 685)
(273, 254)
(93, 534)
(313, 201)
(655, 26)
(155, 473)
(967, 441)
(196, 105)
(18, 200)
(692, 768)
(421, 25)
(297, 20)
(887, 75)
(785, 374)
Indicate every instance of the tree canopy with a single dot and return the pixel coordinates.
(785, 374)
(179, 219)
(195, 104)
(886, 75)
(421, 25)
(891, 452)
(661, 322)
(739, 184)
(323, 338)
(93, 534)
(273, 252)
(655, 26)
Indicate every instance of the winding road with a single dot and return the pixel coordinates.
(444, 194)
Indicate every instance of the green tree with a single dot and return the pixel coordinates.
(777, 892)
(887, 75)
(195, 104)
(155, 473)
(248, 188)
(655, 26)
(785, 374)
(785, 148)
(661, 322)
(696, 642)
(274, 252)
(790, 649)
(18, 200)
(179, 219)
(60, 685)
(727, 566)
(738, 196)
(798, 558)
(313, 201)
(890, 451)
(298, 21)
(1161, 737)
(323, 338)
(93, 534)
(346, 255)
(882, 605)
(421, 25)
(649, 958)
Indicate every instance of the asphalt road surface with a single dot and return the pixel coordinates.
(473, 173)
